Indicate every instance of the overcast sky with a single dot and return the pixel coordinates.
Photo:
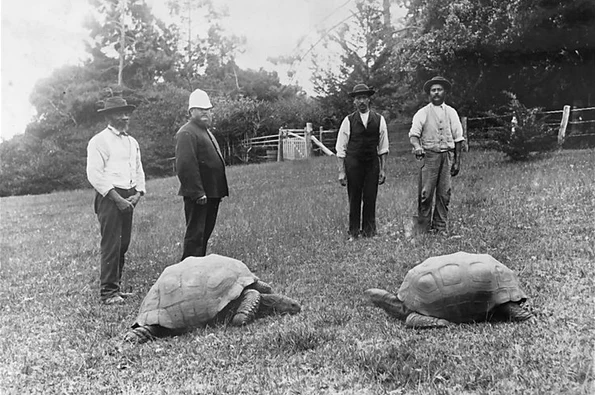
(39, 36)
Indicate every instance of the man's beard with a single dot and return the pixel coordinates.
(203, 124)
(122, 126)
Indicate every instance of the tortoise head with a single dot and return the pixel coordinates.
(388, 302)
(278, 304)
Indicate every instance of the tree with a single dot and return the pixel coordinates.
(130, 46)
(208, 52)
(542, 50)
(365, 43)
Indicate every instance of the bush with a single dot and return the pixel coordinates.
(527, 134)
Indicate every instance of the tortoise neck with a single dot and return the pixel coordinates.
(401, 311)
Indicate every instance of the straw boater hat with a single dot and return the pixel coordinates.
(437, 80)
(361, 89)
(115, 104)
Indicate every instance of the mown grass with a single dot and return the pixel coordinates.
(287, 222)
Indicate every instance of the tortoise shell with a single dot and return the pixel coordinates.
(192, 292)
(459, 287)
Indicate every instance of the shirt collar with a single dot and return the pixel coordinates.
(116, 131)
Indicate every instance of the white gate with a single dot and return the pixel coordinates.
(294, 148)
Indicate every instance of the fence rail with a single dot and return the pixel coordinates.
(291, 144)
(566, 125)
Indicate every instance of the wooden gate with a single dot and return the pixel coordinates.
(294, 148)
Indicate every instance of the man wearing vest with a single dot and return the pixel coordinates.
(362, 147)
(436, 135)
(201, 171)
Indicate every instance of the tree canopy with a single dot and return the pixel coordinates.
(542, 51)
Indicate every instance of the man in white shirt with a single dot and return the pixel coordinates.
(437, 136)
(362, 147)
(115, 170)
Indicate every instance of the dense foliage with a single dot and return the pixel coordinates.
(542, 51)
(526, 133)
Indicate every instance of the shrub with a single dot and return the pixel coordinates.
(526, 134)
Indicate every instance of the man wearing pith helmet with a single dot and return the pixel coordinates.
(437, 136)
(201, 171)
(115, 171)
(362, 147)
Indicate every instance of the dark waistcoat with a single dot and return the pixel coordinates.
(363, 140)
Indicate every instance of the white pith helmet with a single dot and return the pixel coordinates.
(199, 99)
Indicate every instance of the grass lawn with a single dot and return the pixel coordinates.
(287, 222)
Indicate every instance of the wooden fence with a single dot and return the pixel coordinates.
(292, 144)
(568, 123)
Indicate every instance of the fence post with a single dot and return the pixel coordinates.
(466, 142)
(280, 146)
(320, 133)
(563, 125)
(307, 134)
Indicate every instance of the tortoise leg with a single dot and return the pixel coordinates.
(514, 312)
(416, 320)
(249, 302)
(262, 287)
(143, 334)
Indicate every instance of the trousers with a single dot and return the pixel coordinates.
(435, 190)
(200, 222)
(116, 231)
(362, 190)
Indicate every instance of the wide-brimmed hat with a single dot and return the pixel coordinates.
(115, 104)
(437, 80)
(199, 99)
(361, 89)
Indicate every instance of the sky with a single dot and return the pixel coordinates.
(39, 36)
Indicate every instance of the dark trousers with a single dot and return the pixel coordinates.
(362, 186)
(116, 230)
(200, 222)
(435, 190)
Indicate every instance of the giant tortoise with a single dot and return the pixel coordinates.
(455, 288)
(202, 290)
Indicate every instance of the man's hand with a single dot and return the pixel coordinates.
(454, 170)
(381, 177)
(342, 178)
(124, 204)
(121, 203)
(134, 198)
(202, 200)
(419, 153)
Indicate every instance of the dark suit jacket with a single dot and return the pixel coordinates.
(199, 164)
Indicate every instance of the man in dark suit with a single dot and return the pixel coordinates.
(201, 171)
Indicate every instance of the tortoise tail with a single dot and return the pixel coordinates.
(141, 334)
(249, 302)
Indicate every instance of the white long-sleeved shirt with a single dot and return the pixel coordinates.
(345, 132)
(114, 161)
